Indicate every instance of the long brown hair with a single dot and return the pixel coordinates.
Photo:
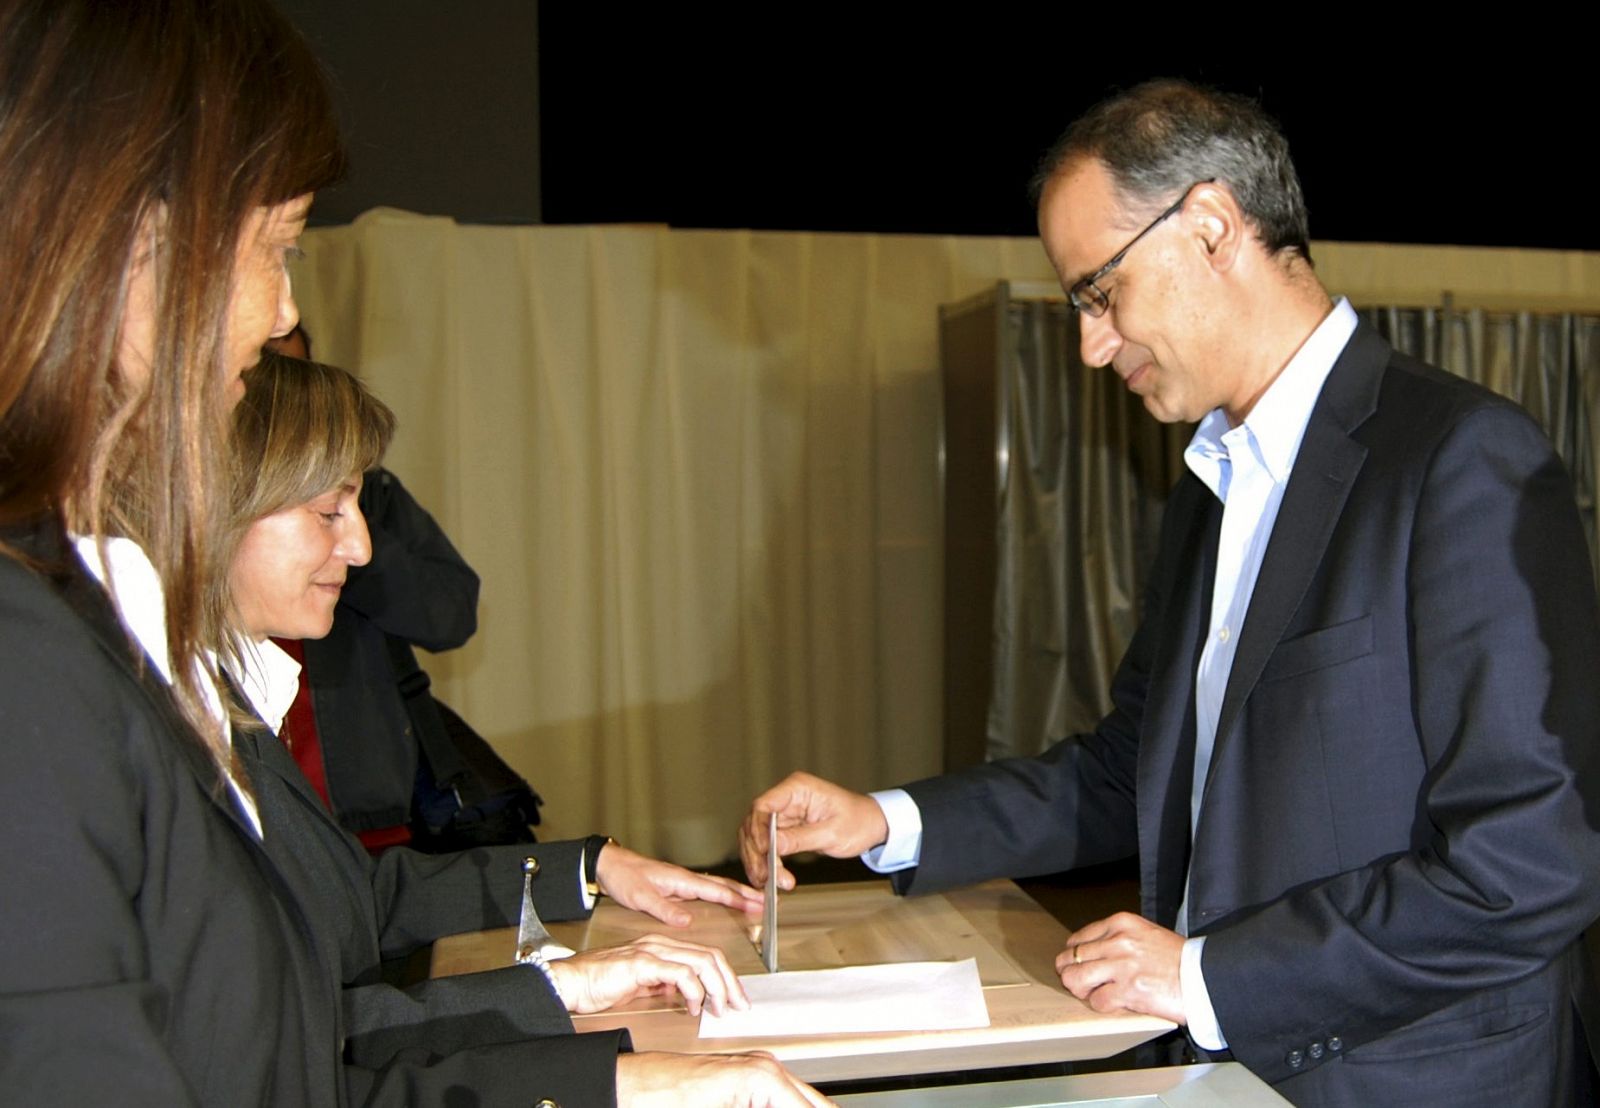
(115, 118)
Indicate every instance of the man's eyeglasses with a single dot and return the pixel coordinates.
(1086, 294)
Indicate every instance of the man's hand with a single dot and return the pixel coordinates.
(599, 979)
(711, 1081)
(813, 814)
(656, 887)
(1127, 962)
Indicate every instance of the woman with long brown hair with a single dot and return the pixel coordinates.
(156, 164)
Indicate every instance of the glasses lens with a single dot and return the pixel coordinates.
(1088, 299)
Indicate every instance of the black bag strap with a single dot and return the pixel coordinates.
(449, 769)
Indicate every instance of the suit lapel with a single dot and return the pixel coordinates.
(1324, 472)
(267, 756)
(267, 752)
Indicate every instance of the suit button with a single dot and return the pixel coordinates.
(1295, 1059)
(547, 1103)
(1315, 1050)
(1335, 1044)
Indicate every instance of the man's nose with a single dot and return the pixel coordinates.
(1098, 339)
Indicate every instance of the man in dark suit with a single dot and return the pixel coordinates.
(1354, 740)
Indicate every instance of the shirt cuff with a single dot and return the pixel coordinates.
(1197, 1010)
(584, 881)
(903, 848)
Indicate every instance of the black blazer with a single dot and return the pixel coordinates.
(503, 1035)
(1397, 845)
(148, 954)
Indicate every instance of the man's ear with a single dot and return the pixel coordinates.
(1216, 223)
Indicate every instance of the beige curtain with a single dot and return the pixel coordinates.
(698, 473)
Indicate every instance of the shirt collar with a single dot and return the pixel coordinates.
(131, 578)
(270, 679)
(1278, 421)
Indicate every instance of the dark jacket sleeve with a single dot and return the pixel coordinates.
(501, 1034)
(1071, 806)
(574, 1071)
(417, 587)
(422, 897)
(1076, 803)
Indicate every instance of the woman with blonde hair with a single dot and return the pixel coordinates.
(304, 436)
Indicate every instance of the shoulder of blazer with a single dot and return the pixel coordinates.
(1401, 394)
(59, 581)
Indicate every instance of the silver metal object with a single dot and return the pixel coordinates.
(534, 943)
(769, 912)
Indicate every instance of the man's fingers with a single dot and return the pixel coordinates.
(1125, 961)
(753, 852)
(1081, 980)
(1090, 932)
(793, 801)
(1080, 952)
(753, 847)
(812, 815)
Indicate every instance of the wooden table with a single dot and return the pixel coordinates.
(1032, 1018)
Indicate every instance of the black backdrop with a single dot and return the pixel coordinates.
(887, 119)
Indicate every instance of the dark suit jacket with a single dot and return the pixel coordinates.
(147, 952)
(1397, 844)
(503, 1035)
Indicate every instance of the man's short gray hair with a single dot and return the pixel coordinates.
(1161, 137)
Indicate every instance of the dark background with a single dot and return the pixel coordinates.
(891, 120)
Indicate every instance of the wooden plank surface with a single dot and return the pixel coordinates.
(1032, 1018)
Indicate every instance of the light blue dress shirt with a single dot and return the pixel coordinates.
(1248, 468)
